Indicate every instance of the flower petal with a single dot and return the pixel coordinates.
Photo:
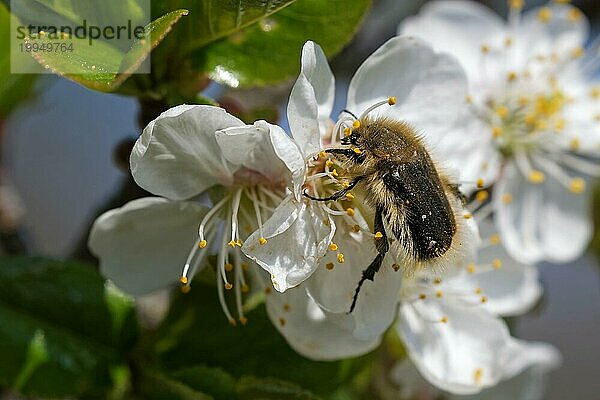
(459, 28)
(463, 355)
(313, 332)
(541, 222)
(263, 148)
(297, 239)
(311, 99)
(177, 155)
(143, 245)
(426, 86)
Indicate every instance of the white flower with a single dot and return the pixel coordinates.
(187, 151)
(320, 250)
(538, 116)
(451, 327)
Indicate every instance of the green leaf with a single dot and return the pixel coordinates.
(213, 381)
(251, 388)
(196, 332)
(97, 62)
(61, 328)
(157, 386)
(269, 51)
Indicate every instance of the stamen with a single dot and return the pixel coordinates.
(333, 247)
(544, 15)
(234, 217)
(262, 241)
(209, 215)
(340, 258)
(390, 101)
(329, 266)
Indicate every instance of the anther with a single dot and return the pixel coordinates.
(228, 286)
(469, 99)
(444, 320)
(559, 124)
(245, 288)
(333, 247)
(357, 150)
(329, 163)
(228, 267)
(437, 281)
(422, 296)
(508, 41)
(574, 144)
(329, 266)
(577, 185)
(232, 322)
(268, 290)
(356, 124)
(577, 52)
(545, 14)
(347, 131)
(574, 15)
(334, 172)
(480, 183)
(471, 268)
(262, 241)
(439, 294)
(356, 228)
(502, 111)
(322, 154)
(186, 289)
(497, 263)
(482, 196)
(243, 320)
(239, 243)
(231, 243)
(484, 299)
(350, 211)
(467, 215)
(515, 4)
(523, 100)
(340, 258)
(395, 267)
(202, 244)
(478, 291)
(536, 177)
(496, 132)
(392, 100)
(511, 76)
(485, 49)
(495, 239)
(477, 375)
(349, 196)
(286, 307)
(507, 198)
(183, 280)
(378, 235)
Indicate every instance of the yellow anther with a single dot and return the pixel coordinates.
(347, 131)
(183, 280)
(395, 267)
(329, 266)
(497, 132)
(231, 243)
(437, 281)
(392, 100)
(511, 76)
(439, 294)
(356, 124)
(282, 321)
(469, 99)
(378, 235)
(202, 244)
(595, 92)
(244, 267)
(228, 267)
(574, 15)
(515, 4)
(577, 185)
(334, 172)
(268, 290)
(508, 41)
(333, 247)
(545, 14)
(507, 198)
(326, 222)
(562, 1)
(340, 258)
(232, 322)
(262, 241)
(540, 125)
(480, 183)
(239, 243)
(578, 52)
(497, 263)
(329, 163)
(477, 375)
(536, 177)
(444, 320)
(245, 288)
(228, 286)
(357, 150)
(478, 291)
(322, 154)
(485, 48)
(484, 299)
(502, 111)
(349, 196)
(243, 320)
(597, 117)
(471, 268)
(286, 307)
(345, 185)
(495, 239)
(467, 215)
(356, 228)
(350, 211)
(559, 124)
(186, 289)
(574, 144)
(482, 196)
(530, 118)
(523, 100)
(422, 296)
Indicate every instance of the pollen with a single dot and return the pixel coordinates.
(231, 243)
(502, 111)
(186, 289)
(439, 294)
(444, 320)
(329, 266)
(574, 144)
(574, 15)
(545, 14)
(333, 247)
(480, 183)
(349, 196)
(477, 375)
(340, 258)
(496, 132)
(577, 185)
(183, 280)
(511, 76)
(322, 154)
(395, 267)
(202, 244)
(334, 172)
(578, 52)
(536, 177)
(356, 124)
(329, 163)
(515, 4)
(495, 239)
(357, 150)
(482, 196)
(497, 263)
(228, 267)
(378, 235)
(507, 198)
(262, 241)
(392, 100)
(471, 268)
(228, 286)
(347, 131)
(350, 211)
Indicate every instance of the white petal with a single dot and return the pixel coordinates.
(143, 245)
(459, 28)
(297, 239)
(542, 222)
(311, 99)
(429, 87)
(263, 148)
(334, 289)
(313, 332)
(177, 155)
(463, 355)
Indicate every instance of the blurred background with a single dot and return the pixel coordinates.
(62, 164)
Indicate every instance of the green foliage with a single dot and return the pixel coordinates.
(62, 330)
